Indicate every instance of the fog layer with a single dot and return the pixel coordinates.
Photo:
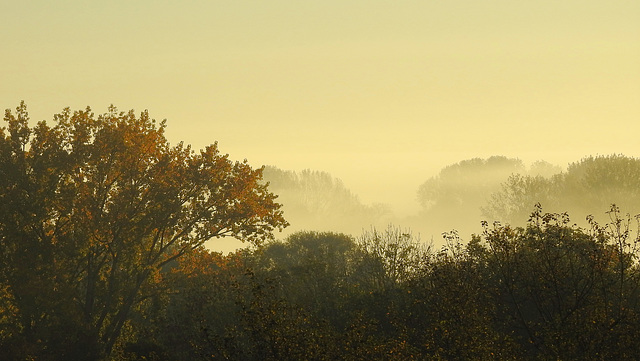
(462, 195)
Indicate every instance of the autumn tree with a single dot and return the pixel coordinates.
(199, 315)
(91, 208)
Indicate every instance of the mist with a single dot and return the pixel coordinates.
(460, 196)
(345, 143)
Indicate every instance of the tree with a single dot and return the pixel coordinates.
(278, 302)
(314, 200)
(463, 182)
(453, 198)
(314, 269)
(199, 315)
(565, 293)
(389, 257)
(543, 169)
(450, 316)
(517, 196)
(91, 208)
(587, 187)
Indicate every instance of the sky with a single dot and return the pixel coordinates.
(381, 94)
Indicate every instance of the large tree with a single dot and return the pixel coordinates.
(91, 209)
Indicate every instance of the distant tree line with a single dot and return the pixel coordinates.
(585, 188)
(314, 200)
(462, 194)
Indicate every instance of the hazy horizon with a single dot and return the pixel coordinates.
(379, 94)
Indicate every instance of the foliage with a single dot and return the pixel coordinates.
(101, 258)
(587, 187)
(461, 183)
(545, 292)
(566, 293)
(91, 209)
(518, 194)
(389, 257)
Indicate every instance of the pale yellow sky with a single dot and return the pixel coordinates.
(380, 93)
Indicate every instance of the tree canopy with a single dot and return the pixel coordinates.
(102, 225)
(588, 186)
(548, 291)
(91, 209)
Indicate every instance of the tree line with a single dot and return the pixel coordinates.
(102, 226)
(460, 195)
(548, 291)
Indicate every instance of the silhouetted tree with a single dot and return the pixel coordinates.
(564, 293)
(91, 209)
